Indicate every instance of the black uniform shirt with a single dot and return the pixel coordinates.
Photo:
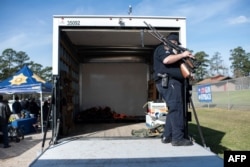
(173, 70)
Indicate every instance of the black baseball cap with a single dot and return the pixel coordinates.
(174, 37)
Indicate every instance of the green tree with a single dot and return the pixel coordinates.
(240, 62)
(21, 59)
(11, 61)
(201, 70)
(7, 63)
(35, 67)
(216, 65)
(44, 73)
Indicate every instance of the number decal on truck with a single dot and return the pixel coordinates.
(73, 23)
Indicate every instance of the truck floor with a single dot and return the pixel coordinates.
(122, 129)
(108, 145)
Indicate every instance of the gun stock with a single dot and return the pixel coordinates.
(184, 70)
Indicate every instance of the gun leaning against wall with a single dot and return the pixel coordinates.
(187, 65)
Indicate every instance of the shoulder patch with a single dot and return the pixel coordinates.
(167, 51)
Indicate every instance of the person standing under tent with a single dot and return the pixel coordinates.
(4, 117)
(17, 107)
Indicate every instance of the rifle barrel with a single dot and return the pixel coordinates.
(161, 38)
(168, 43)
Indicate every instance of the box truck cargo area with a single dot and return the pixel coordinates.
(105, 62)
(102, 67)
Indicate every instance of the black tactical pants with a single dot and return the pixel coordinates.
(173, 95)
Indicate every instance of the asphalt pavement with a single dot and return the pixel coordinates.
(23, 153)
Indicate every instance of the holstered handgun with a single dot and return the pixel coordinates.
(164, 80)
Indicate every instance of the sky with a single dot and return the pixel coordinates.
(212, 25)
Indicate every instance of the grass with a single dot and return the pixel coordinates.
(222, 129)
(235, 100)
(235, 97)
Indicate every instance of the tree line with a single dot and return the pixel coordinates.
(11, 61)
(240, 64)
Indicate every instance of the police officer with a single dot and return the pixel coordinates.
(166, 63)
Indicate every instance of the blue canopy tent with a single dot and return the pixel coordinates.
(25, 81)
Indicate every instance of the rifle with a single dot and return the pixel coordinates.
(187, 65)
